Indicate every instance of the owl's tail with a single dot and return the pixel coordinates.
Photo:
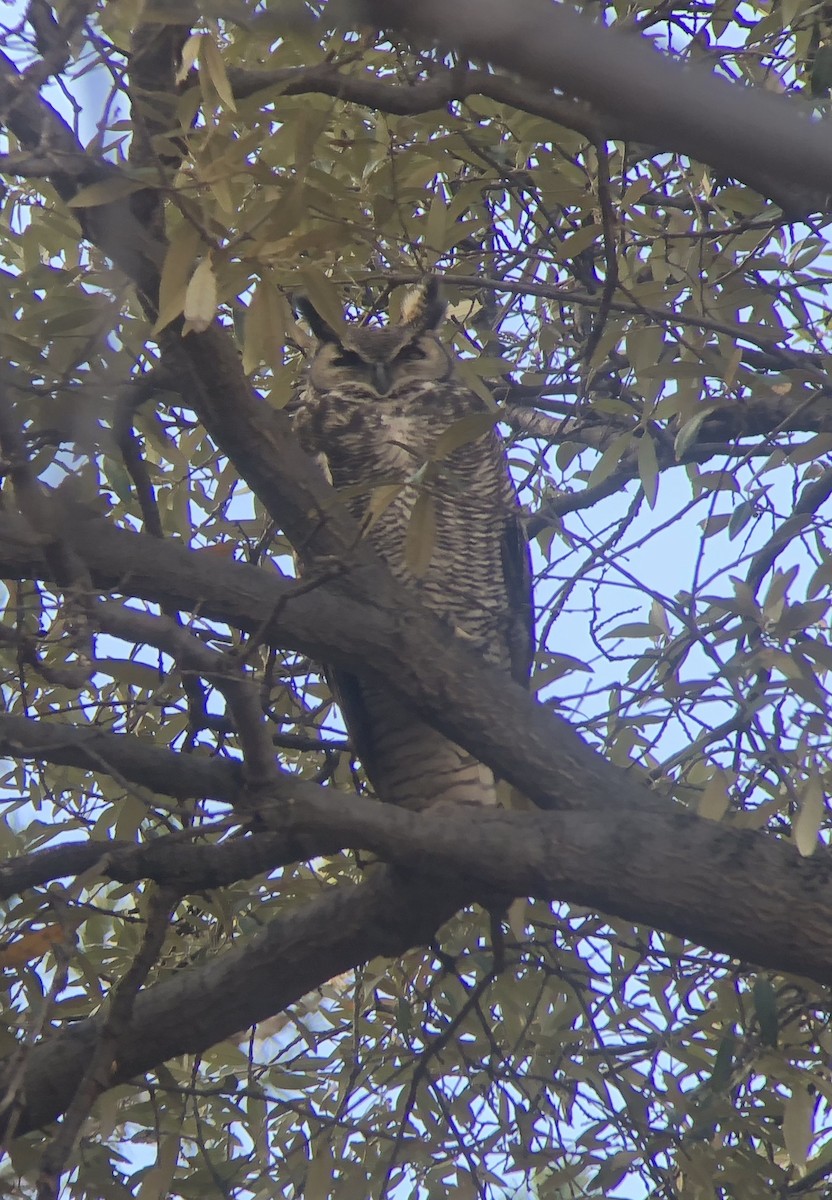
(413, 765)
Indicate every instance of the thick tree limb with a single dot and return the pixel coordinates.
(458, 84)
(415, 654)
(195, 1009)
(522, 740)
(622, 850)
(740, 130)
(167, 772)
(737, 891)
(734, 890)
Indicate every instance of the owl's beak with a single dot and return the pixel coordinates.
(381, 377)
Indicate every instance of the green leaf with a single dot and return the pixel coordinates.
(740, 517)
(821, 76)
(634, 629)
(648, 468)
(715, 800)
(798, 1133)
(212, 61)
(322, 295)
(421, 535)
(381, 497)
(105, 191)
(765, 1006)
(689, 432)
(723, 1064)
(265, 328)
(609, 460)
(463, 431)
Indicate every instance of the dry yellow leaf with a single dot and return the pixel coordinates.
(201, 297)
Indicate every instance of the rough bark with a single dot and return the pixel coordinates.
(415, 654)
(742, 131)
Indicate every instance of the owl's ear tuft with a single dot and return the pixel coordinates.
(423, 306)
(322, 330)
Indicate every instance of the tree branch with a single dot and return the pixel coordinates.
(458, 84)
(91, 749)
(195, 1009)
(734, 890)
(172, 860)
(740, 130)
(416, 655)
(226, 672)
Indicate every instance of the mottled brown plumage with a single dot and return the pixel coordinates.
(376, 408)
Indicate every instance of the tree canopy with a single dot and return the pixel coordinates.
(229, 971)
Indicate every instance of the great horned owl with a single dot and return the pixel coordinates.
(374, 409)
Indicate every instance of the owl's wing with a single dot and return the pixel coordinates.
(517, 574)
